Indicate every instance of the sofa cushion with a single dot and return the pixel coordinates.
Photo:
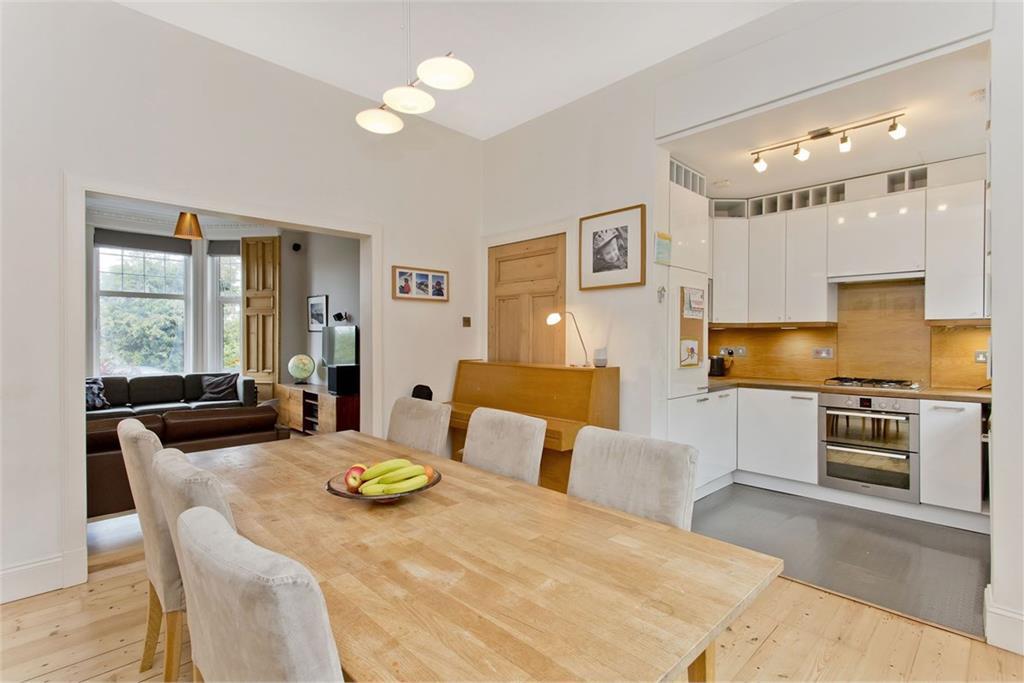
(101, 435)
(203, 423)
(215, 404)
(115, 388)
(155, 389)
(224, 388)
(105, 413)
(160, 408)
(94, 398)
(194, 383)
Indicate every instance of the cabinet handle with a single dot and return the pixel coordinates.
(703, 387)
(723, 395)
(949, 408)
(702, 400)
(802, 398)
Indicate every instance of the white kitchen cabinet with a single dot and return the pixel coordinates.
(766, 302)
(951, 454)
(690, 226)
(877, 237)
(729, 270)
(954, 285)
(809, 296)
(708, 423)
(778, 433)
(684, 381)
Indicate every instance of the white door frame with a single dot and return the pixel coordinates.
(72, 362)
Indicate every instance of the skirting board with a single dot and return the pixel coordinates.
(925, 513)
(1003, 627)
(712, 486)
(42, 576)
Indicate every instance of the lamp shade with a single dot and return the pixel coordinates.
(554, 318)
(380, 121)
(445, 73)
(188, 227)
(409, 100)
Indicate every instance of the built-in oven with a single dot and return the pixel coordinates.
(869, 444)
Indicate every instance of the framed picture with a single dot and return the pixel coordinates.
(316, 312)
(419, 284)
(613, 248)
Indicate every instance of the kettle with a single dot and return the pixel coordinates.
(717, 366)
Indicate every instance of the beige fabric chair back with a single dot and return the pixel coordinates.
(262, 616)
(636, 474)
(138, 447)
(505, 443)
(420, 424)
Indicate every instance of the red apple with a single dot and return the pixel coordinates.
(354, 477)
(429, 471)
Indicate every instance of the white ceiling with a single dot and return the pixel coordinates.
(945, 119)
(529, 57)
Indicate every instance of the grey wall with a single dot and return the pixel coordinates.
(325, 265)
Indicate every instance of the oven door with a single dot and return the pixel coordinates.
(862, 428)
(891, 474)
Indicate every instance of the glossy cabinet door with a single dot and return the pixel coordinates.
(708, 423)
(809, 296)
(690, 226)
(951, 454)
(766, 301)
(684, 381)
(729, 270)
(954, 285)
(778, 433)
(877, 236)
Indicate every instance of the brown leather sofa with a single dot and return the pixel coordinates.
(198, 429)
(158, 394)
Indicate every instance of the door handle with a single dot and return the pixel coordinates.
(953, 409)
(894, 456)
(870, 416)
(802, 398)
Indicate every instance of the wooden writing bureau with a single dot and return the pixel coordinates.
(567, 398)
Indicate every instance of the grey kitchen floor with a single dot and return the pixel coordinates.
(923, 570)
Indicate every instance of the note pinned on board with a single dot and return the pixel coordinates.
(663, 248)
(691, 327)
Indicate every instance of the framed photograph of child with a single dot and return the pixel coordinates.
(419, 284)
(613, 248)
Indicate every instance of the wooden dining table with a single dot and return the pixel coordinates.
(487, 578)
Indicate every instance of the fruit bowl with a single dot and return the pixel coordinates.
(336, 486)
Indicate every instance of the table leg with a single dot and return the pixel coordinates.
(702, 670)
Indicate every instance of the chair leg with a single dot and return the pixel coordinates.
(197, 675)
(153, 619)
(172, 646)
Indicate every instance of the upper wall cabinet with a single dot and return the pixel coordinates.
(954, 285)
(876, 238)
(729, 270)
(766, 301)
(809, 296)
(690, 228)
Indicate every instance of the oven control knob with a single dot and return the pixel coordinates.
(849, 401)
(883, 405)
(895, 405)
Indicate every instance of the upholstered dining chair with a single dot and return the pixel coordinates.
(261, 615)
(419, 424)
(636, 474)
(166, 595)
(505, 443)
(182, 486)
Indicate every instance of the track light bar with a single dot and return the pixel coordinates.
(896, 130)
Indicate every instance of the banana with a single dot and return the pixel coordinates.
(369, 482)
(407, 485)
(383, 468)
(372, 489)
(402, 474)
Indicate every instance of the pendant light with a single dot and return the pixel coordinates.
(445, 73)
(409, 100)
(379, 120)
(187, 227)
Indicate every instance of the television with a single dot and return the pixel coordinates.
(341, 345)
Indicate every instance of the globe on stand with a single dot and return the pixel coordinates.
(301, 367)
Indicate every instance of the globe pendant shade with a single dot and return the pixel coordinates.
(409, 100)
(445, 73)
(379, 121)
(187, 227)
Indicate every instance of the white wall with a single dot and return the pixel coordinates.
(98, 91)
(332, 268)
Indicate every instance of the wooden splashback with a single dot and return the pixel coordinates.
(953, 357)
(778, 354)
(882, 332)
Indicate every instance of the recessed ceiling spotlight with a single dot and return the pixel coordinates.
(840, 220)
(844, 143)
(801, 153)
(896, 130)
(872, 214)
(903, 211)
(760, 165)
(942, 207)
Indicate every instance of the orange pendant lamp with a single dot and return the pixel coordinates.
(188, 227)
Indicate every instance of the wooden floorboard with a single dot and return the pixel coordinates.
(793, 632)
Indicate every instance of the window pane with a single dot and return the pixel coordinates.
(145, 271)
(154, 265)
(230, 275)
(134, 262)
(232, 326)
(110, 261)
(110, 281)
(141, 336)
(134, 283)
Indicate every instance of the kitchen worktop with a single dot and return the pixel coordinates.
(929, 393)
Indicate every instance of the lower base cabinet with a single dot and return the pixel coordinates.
(951, 454)
(708, 423)
(311, 409)
(778, 433)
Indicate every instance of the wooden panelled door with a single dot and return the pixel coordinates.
(261, 287)
(526, 283)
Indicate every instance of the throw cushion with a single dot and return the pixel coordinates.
(94, 398)
(221, 388)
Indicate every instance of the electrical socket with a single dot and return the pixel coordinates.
(740, 351)
(822, 353)
(981, 356)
